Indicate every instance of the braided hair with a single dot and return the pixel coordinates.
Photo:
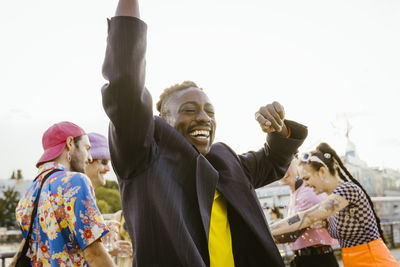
(335, 165)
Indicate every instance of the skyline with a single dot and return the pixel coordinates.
(326, 63)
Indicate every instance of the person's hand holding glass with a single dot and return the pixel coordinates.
(124, 253)
(109, 240)
(122, 249)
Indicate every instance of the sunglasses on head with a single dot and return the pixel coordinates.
(308, 157)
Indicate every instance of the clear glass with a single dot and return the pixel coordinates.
(124, 260)
(112, 236)
(108, 241)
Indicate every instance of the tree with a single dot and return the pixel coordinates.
(103, 206)
(19, 174)
(13, 175)
(111, 196)
(108, 198)
(7, 207)
(111, 184)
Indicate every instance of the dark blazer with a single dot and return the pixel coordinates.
(166, 185)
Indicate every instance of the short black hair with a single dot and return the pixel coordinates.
(173, 89)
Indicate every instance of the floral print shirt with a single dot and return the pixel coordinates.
(67, 220)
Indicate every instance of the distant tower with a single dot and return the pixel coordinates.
(350, 147)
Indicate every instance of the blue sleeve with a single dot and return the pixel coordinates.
(86, 218)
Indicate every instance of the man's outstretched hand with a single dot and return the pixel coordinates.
(271, 118)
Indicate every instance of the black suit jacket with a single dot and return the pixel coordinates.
(166, 185)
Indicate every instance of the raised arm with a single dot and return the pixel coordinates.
(284, 137)
(270, 163)
(321, 211)
(125, 99)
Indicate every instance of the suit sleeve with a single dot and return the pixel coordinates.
(126, 101)
(271, 162)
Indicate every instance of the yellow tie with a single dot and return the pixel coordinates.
(220, 240)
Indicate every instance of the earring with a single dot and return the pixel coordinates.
(68, 156)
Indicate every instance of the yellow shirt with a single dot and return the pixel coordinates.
(220, 240)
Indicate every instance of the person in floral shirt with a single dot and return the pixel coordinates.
(68, 225)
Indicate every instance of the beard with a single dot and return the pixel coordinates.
(77, 164)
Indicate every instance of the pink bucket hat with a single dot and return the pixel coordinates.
(99, 146)
(54, 139)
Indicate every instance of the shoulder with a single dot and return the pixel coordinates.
(75, 178)
(77, 175)
(222, 146)
(349, 190)
(221, 155)
(347, 186)
(222, 150)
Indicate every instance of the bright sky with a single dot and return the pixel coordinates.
(325, 61)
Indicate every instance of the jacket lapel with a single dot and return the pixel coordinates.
(238, 191)
(241, 197)
(206, 182)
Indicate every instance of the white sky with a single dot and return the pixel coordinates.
(325, 61)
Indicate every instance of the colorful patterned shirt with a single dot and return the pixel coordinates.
(67, 220)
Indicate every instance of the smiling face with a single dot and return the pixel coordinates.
(191, 113)
(96, 171)
(313, 178)
(80, 155)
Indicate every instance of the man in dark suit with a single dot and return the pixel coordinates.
(187, 201)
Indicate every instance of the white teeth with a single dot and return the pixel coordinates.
(200, 133)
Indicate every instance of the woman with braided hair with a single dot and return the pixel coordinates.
(348, 208)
